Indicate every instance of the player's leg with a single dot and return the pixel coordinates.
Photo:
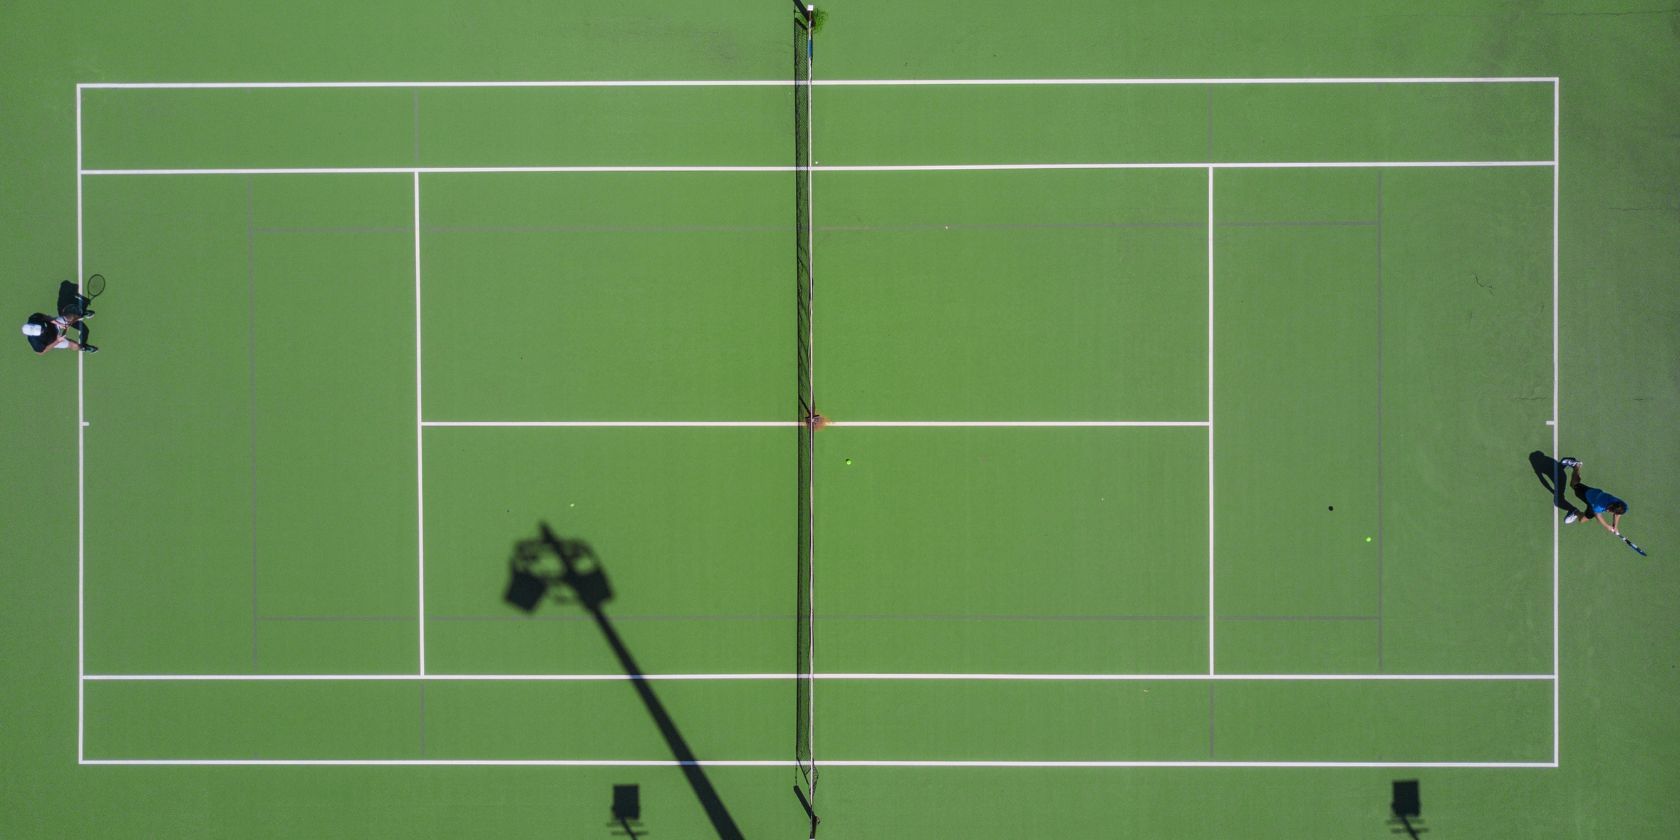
(1583, 491)
(66, 322)
(70, 300)
(1573, 516)
(65, 342)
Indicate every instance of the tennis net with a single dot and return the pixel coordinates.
(805, 633)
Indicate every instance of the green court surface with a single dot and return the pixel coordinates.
(1182, 367)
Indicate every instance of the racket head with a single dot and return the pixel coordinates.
(95, 285)
(1635, 547)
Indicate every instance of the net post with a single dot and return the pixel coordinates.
(806, 13)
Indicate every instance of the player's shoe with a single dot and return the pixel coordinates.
(1571, 462)
(89, 348)
(1572, 518)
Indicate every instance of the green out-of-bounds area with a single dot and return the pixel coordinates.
(1181, 477)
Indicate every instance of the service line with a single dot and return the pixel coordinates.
(782, 424)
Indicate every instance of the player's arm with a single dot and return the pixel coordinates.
(1616, 525)
(1606, 524)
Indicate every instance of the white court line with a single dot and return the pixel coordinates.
(777, 424)
(434, 762)
(558, 762)
(81, 471)
(836, 676)
(419, 438)
(1340, 164)
(1255, 764)
(1212, 611)
(1297, 80)
(1013, 424)
(613, 424)
(420, 677)
(689, 83)
(1217, 677)
(640, 83)
(1557, 712)
(429, 170)
(930, 167)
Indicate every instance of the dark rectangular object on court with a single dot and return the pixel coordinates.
(525, 590)
(627, 802)
(1407, 802)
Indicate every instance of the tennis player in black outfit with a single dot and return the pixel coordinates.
(45, 333)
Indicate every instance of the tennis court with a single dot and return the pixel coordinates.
(1172, 478)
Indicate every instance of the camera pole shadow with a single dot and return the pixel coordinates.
(581, 575)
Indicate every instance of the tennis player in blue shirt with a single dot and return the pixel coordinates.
(1598, 501)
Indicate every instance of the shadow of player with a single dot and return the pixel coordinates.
(1552, 477)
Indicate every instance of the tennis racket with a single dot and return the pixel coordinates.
(94, 287)
(1634, 547)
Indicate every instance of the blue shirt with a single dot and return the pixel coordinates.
(1601, 501)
